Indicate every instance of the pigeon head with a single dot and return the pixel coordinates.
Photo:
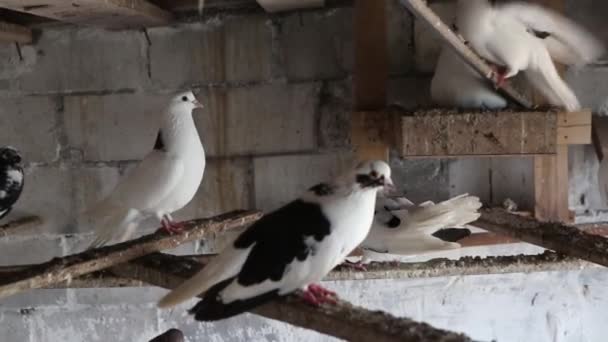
(10, 155)
(373, 175)
(184, 101)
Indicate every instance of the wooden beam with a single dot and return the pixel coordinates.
(420, 9)
(70, 267)
(342, 320)
(600, 136)
(288, 5)
(561, 238)
(370, 74)
(447, 133)
(105, 13)
(13, 33)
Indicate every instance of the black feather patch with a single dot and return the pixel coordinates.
(278, 239)
(394, 222)
(211, 308)
(367, 181)
(159, 144)
(540, 34)
(322, 189)
(452, 234)
(10, 188)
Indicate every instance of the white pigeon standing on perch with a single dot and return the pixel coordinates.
(456, 84)
(401, 227)
(527, 37)
(163, 182)
(288, 249)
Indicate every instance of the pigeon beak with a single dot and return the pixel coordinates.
(197, 104)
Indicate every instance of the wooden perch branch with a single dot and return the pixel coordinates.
(342, 320)
(19, 225)
(423, 12)
(70, 267)
(551, 235)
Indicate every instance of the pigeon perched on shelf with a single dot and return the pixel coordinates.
(525, 37)
(163, 182)
(401, 227)
(457, 85)
(11, 179)
(288, 249)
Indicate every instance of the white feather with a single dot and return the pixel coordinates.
(414, 234)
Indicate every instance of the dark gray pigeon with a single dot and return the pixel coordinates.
(11, 179)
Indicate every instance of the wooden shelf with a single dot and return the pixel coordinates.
(440, 133)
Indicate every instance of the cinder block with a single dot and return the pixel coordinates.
(14, 327)
(85, 60)
(427, 43)
(259, 119)
(47, 193)
(91, 185)
(35, 299)
(589, 84)
(23, 250)
(113, 127)
(410, 92)
(399, 35)
(135, 296)
(231, 49)
(95, 324)
(335, 112)
(420, 179)
(318, 44)
(30, 124)
(281, 179)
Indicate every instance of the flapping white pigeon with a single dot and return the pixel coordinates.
(526, 37)
(457, 85)
(163, 182)
(288, 249)
(401, 227)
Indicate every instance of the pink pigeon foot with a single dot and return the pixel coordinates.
(172, 227)
(316, 295)
(499, 75)
(359, 266)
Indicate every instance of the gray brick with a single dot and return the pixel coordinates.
(318, 44)
(281, 179)
(259, 119)
(92, 184)
(233, 49)
(335, 113)
(85, 60)
(420, 179)
(36, 299)
(30, 124)
(23, 250)
(113, 127)
(399, 34)
(14, 327)
(427, 43)
(136, 324)
(47, 193)
(410, 92)
(124, 296)
(589, 84)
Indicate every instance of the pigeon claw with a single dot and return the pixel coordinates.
(499, 74)
(358, 266)
(172, 227)
(317, 295)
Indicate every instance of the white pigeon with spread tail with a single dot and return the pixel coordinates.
(163, 182)
(401, 227)
(288, 249)
(526, 37)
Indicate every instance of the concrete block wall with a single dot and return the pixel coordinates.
(82, 104)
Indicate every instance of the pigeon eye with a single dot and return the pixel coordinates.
(374, 174)
(184, 98)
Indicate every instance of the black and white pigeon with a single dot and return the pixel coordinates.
(165, 181)
(401, 227)
(288, 249)
(11, 179)
(519, 36)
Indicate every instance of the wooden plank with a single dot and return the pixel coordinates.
(574, 128)
(370, 74)
(372, 133)
(555, 236)
(449, 133)
(70, 267)
(342, 319)
(288, 5)
(13, 33)
(105, 13)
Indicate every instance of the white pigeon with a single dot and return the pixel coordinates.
(288, 249)
(525, 37)
(163, 182)
(456, 84)
(400, 227)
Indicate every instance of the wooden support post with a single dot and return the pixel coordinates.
(105, 13)
(600, 137)
(555, 236)
(370, 75)
(342, 320)
(70, 267)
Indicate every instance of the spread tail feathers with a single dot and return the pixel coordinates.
(107, 220)
(455, 212)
